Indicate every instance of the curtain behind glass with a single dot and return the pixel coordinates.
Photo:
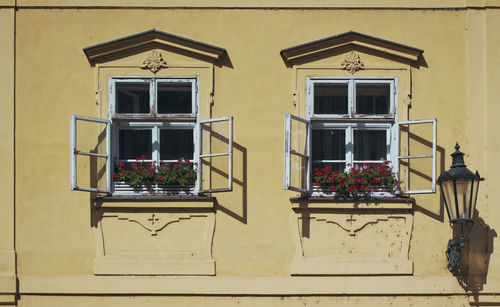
(330, 98)
(370, 145)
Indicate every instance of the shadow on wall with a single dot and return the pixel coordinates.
(440, 168)
(473, 270)
(240, 153)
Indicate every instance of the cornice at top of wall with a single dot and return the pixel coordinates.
(258, 4)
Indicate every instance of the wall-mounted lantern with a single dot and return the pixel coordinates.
(459, 188)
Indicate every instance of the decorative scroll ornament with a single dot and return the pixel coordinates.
(154, 62)
(352, 62)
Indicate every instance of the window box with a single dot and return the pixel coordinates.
(121, 187)
(379, 192)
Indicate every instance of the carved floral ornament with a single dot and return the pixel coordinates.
(154, 62)
(352, 63)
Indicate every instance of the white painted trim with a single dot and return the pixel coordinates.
(287, 173)
(74, 152)
(432, 121)
(229, 154)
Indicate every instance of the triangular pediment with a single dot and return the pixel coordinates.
(153, 39)
(341, 43)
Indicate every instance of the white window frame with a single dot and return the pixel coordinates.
(349, 129)
(352, 121)
(153, 103)
(199, 155)
(288, 152)
(433, 156)
(153, 120)
(74, 152)
(351, 105)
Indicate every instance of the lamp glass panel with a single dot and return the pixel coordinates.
(463, 197)
(475, 189)
(447, 187)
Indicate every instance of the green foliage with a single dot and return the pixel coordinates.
(368, 179)
(145, 174)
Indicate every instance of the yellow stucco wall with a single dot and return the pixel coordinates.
(54, 228)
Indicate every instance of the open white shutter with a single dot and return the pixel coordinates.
(211, 139)
(297, 158)
(424, 156)
(74, 152)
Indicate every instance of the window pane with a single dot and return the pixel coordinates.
(132, 97)
(372, 98)
(328, 144)
(135, 143)
(330, 98)
(370, 145)
(176, 143)
(174, 97)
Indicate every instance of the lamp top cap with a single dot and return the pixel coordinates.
(458, 157)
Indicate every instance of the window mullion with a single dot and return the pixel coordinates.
(352, 94)
(156, 144)
(349, 153)
(152, 97)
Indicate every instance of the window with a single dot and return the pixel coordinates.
(350, 122)
(153, 118)
(156, 120)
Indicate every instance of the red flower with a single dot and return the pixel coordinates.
(328, 169)
(316, 169)
(140, 172)
(151, 168)
(316, 183)
(121, 164)
(124, 172)
(160, 177)
(332, 188)
(133, 164)
(319, 173)
(190, 175)
(115, 175)
(377, 180)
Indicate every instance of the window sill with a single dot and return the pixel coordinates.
(155, 201)
(335, 202)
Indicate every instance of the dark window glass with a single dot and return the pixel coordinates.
(176, 143)
(372, 98)
(328, 144)
(135, 143)
(132, 97)
(174, 97)
(330, 98)
(370, 145)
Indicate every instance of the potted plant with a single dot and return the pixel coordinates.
(155, 177)
(370, 181)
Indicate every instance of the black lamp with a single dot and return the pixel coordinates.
(459, 188)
